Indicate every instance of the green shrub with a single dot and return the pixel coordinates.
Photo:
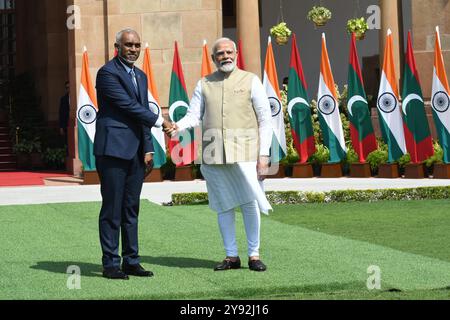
(437, 157)
(322, 155)
(299, 197)
(404, 160)
(55, 157)
(376, 158)
(352, 156)
(28, 146)
(195, 198)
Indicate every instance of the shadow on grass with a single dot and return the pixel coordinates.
(95, 270)
(179, 262)
(87, 269)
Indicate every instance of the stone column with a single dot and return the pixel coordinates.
(390, 20)
(426, 15)
(248, 32)
(92, 34)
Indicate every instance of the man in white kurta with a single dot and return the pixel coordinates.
(233, 109)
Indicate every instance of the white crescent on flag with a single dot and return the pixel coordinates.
(294, 101)
(176, 105)
(408, 99)
(353, 100)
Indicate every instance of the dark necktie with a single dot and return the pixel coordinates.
(133, 79)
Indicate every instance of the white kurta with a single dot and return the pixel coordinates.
(232, 185)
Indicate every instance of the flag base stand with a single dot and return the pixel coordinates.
(90, 177)
(388, 171)
(360, 170)
(331, 170)
(414, 171)
(155, 176)
(302, 170)
(185, 173)
(441, 171)
(280, 173)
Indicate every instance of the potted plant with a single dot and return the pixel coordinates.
(358, 26)
(28, 153)
(321, 156)
(436, 158)
(55, 158)
(319, 15)
(281, 33)
(377, 158)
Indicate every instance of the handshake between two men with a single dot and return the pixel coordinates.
(170, 128)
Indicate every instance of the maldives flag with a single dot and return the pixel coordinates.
(389, 113)
(182, 147)
(158, 138)
(361, 129)
(240, 58)
(206, 64)
(419, 143)
(329, 117)
(440, 99)
(298, 107)
(270, 83)
(86, 116)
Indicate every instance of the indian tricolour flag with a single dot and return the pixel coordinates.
(182, 147)
(270, 82)
(86, 117)
(440, 99)
(298, 107)
(419, 143)
(389, 112)
(327, 104)
(206, 63)
(158, 138)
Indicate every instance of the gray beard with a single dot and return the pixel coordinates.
(227, 68)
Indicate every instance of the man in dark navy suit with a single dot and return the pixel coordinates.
(123, 149)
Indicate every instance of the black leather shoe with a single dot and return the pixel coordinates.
(136, 270)
(257, 265)
(228, 264)
(115, 274)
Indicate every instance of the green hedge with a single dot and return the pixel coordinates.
(298, 197)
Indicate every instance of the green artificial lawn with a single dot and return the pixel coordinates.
(314, 251)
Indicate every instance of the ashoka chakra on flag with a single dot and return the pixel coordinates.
(441, 101)
(153, 107)
(387, 102)
(327, 104)
(275, 106)
(87, 114)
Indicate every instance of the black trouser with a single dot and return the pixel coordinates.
(121, 185)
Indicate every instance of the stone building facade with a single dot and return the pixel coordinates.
(52, 52)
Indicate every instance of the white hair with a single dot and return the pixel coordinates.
(121, 32)
(218, 41)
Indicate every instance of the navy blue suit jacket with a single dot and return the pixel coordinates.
(124, 120)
